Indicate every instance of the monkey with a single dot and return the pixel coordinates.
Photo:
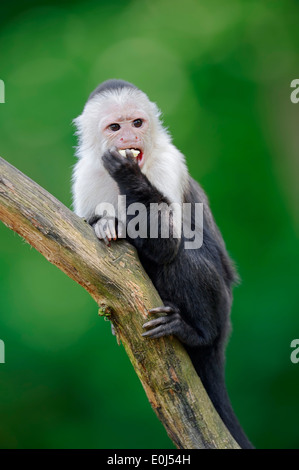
(125, 150)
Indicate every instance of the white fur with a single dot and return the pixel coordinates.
(164, 165)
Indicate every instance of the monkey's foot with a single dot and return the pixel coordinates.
(171, 324)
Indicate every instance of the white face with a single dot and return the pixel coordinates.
(126, 127)
(124, 119)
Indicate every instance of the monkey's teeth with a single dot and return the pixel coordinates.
(134, 152)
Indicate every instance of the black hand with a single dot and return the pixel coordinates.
(120, 168)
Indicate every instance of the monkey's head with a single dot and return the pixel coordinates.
(118, 114)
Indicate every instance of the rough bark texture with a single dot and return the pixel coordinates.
(117, 282)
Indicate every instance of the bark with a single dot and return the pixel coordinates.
(116, 280)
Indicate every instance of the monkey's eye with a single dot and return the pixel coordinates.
(137, 123)
(114, 127)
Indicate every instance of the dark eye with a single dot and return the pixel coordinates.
(114, 127)
(137, 123)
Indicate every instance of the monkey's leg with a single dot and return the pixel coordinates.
(172, 324)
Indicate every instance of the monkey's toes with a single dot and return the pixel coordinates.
(163, 309)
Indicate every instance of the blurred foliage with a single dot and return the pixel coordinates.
(221, 73)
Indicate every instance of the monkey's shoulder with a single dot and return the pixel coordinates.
(195, 193)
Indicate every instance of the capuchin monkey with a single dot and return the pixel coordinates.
(124, 151)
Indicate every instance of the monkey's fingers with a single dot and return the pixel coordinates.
(101, 232)
(112, 231)
(106, 231)
(130, 156)
(98, 230)
(104, 237)
(164, 326)
(157, 321)
(113, 161)
(163, 309)
(115, 153)
(161, 330)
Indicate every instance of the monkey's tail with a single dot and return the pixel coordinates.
(210, 369)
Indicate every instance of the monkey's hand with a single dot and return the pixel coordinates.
(119, 167)
(171, 324)
(107, 228)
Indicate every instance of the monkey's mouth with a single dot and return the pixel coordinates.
(137, 154)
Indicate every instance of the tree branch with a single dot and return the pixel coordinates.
(117, 282)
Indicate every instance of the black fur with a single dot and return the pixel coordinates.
(195, 285)
(111, 85)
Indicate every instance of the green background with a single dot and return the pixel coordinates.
(221, 73)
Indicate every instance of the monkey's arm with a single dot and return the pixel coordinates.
(136, 187)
